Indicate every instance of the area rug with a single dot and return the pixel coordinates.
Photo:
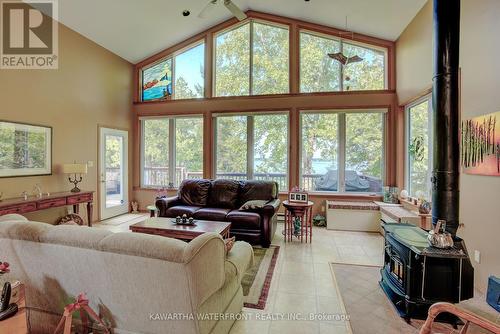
(126, 218)
(369, 310)
(257, 280)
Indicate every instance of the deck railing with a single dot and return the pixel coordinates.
(159, 176)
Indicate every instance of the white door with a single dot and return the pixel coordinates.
(113, 172)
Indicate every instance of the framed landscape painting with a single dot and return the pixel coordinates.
(25, 149)
(481, 145)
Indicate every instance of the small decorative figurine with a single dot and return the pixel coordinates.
(424, 207)
(404, 194)
(178, 220)
(135, 207)
(25, 195)
(184, 218)
(37, 190)
(296, 227)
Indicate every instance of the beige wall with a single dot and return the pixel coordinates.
(91, 87)
(479, 49)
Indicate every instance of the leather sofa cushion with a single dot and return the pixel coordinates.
(194, 192)
(180, 210)
(211, 214)
(258, 190)
(223, 194)
(244, 220)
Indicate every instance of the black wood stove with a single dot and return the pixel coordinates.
(416, 275)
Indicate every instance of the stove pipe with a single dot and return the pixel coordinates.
(446, 117)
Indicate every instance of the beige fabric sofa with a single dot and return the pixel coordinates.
(139, 283)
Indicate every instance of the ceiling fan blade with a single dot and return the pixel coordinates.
(207, 9)
(240, 15)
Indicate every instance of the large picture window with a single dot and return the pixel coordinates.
(419, 148)
(252, 59)
(345, 146)
(320, 73)
(178, 77)
(171, 150)
(253, 146)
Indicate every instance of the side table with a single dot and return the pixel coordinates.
(302, 212)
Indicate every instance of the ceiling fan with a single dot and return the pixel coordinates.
(235, 10)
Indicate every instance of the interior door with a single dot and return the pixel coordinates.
(113, 172)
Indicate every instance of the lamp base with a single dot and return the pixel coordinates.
(75, 181)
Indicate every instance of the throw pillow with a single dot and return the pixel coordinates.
(253, 205)
(228, 243)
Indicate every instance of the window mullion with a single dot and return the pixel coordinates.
(171, 152)
(250, 147)
(341, 69)
(342, 153)
(250, 76)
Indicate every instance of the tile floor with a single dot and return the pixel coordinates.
(303, 282)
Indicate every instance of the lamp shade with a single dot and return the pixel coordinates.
(74, 169)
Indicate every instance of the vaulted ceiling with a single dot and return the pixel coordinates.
(136, 29)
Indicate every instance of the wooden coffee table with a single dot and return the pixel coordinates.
(166, 228)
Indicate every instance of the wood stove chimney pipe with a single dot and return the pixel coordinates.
(446, 117)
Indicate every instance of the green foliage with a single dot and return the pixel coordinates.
(318, 72)
(21, 148)
(364, 143)
(419, 172)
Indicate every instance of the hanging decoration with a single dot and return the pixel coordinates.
(340, 56)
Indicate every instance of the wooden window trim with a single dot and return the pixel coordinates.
(294, 27)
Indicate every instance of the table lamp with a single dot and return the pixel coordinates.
(76, 169)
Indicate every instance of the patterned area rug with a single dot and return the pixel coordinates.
(369, 309)
(257, 279)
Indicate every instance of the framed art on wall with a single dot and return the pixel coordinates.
(25, 149)
(481, 145)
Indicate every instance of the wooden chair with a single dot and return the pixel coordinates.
(467, 316)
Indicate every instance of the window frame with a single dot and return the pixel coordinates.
(382, 49)
(430, 148)
(342, 140)
(172, 58)
(251, 22)
(250, 157)
(171, 147)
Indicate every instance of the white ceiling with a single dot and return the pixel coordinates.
(137, 29)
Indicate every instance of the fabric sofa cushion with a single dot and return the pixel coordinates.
(180, 210)
(224, 194)
(258, 190)
(194, 192)
(211, 214)
(243, 220)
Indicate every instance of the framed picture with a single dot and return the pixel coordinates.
(481, 145)
(25, 149)
(301, 197)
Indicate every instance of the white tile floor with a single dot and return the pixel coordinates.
(302, 282)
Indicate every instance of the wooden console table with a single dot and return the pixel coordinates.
(35, 203)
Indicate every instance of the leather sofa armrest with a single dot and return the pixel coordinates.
(242, 257)
(271, 207)
(164, 203)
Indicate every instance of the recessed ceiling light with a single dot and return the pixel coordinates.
(186, 12)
